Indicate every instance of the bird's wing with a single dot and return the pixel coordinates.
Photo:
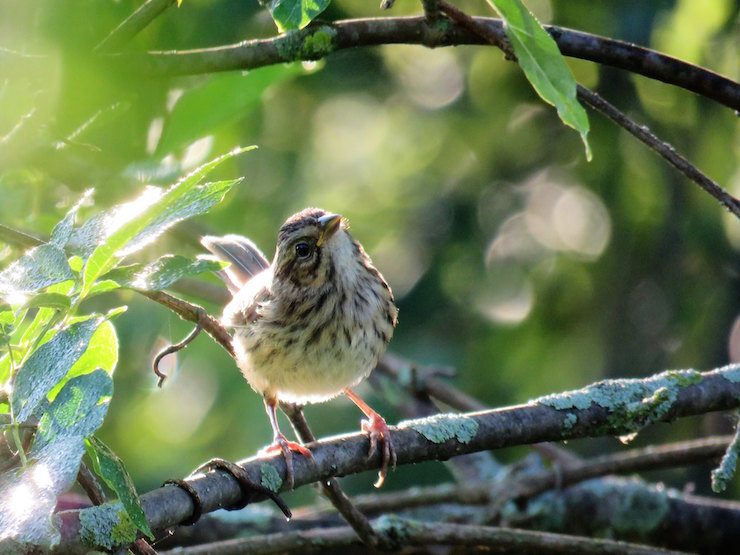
(245, 259)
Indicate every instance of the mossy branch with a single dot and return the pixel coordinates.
(611, 407)
(319, 40)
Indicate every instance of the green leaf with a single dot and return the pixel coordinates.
(7, 317)
(90, 234)
(45, 317)
(148, 217)
(111, 469)
(101, 353)
(102, 286)
(4, 369)
(77, 411)
(197, 201)
(220, 99)
(163, 273)
(62, 232)
(40, 267)
(295, 14)
(49, 300)
(48, 365)
(543, 64)
(56, 453)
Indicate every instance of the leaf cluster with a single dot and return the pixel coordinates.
(57, 359)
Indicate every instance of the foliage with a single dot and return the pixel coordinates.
(58, 360)
(543, 64)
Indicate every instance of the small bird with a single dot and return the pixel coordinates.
(310, 326)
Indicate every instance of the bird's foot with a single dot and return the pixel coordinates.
(379, 434)
(281, 443)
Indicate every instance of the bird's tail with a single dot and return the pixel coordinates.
(245, 259)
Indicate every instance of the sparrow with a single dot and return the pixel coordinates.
(311, 325)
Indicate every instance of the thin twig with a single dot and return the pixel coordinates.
(171, 349)
(667, 151)
(133, 24)
(418, 533)
(193, 313)
(663, 148)
(331, 488)
(19, 238)
(90, 484)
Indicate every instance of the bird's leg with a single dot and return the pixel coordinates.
(279, 441)
(376, 427)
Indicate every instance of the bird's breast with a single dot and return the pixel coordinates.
(307, 346)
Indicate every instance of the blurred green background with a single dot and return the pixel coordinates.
(513, 259)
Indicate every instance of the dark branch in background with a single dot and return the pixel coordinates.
(417, 380)
(608, 413)
(133, 24)
(417, 533)
(353, 33)
(649, 458)
(23, 239)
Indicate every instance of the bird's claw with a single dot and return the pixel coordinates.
(379, 433)
(281, 443)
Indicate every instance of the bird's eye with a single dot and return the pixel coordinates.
(302, 250)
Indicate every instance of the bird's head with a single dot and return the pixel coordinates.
(307, 243)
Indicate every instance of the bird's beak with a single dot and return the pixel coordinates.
(329, 225)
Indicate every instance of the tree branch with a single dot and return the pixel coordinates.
(610, 407)
(133, 24)
(193, 313)
(661, 147)
(671, 455)
(596, 102)
(629, 509)
(418, 533)
(318, 41)
(333, 491)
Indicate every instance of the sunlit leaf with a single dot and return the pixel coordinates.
(78, 410)
(162, 273)
(196, 201)
(543, 64)
(102, 286)
(184, 199)
(48, 365)
(7, 317)
(111, 469)
(62, 232)
(48, 300)
(45, 316)
(101, 353)
(28, 498)
(40, 267)
(90, 234)
(4, 368)
(295, 14)
(222, 98)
